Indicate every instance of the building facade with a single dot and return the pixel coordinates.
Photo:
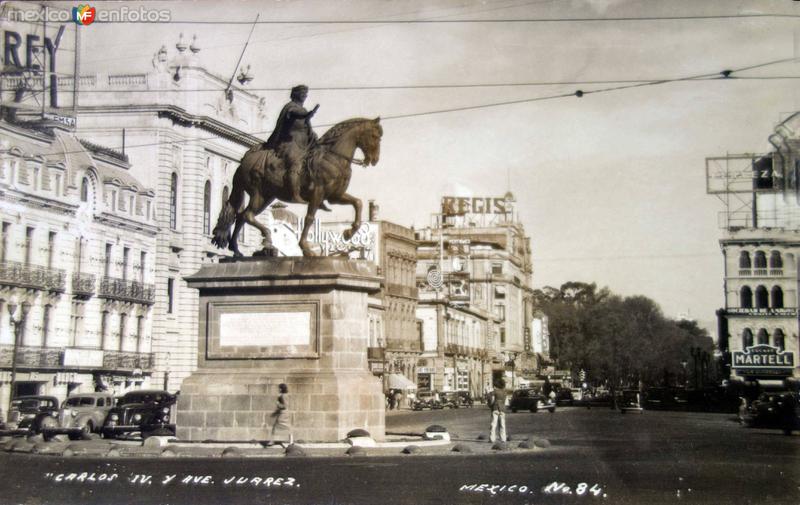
(474, 275)
(77, 265)
(186, 145)
(758, 326)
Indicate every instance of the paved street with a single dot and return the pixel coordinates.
(655, 457)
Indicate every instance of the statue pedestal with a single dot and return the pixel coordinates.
(298, 321)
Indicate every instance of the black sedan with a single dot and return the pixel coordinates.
(149, 412)
(530, 399)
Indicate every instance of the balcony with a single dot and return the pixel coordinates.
(32, 357)
(127, 291)
(127, 361)
(82, 285)
(28, 276)
(760, 272)
(376, 353)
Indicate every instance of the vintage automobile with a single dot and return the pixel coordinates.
(774, 410)
(28, 413)
(149, 412)
(630, 401)
(80, 415)
(426, 400)
(530, 399)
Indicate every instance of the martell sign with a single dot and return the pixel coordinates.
(763, 357)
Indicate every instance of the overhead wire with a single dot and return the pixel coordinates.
(722, 75)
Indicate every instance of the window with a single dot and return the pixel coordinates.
(170, 295)
(139, 333)
(113, 201)
(497, 268)
(747, 338)
(142, 266)
(85, 189)
(775, 260)
(79, 246)
(173, 202)
(777, 297)
(744, 260)
(763, 337)
(760, 260)
(746, 298)
(46, 325)
(51, 246)
(762, 298)
(107, 265)
(126, 253)
(4, 241)
(28, 244)
(502, 336)
(225, 194)
(207, 208)
(499, 292)
(103, 329)
(778, 339)
(123, 323)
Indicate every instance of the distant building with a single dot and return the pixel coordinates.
(758, 326)
(394, 339)
(78, 250)
(476, 311)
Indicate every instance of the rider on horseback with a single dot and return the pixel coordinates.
(293, 136)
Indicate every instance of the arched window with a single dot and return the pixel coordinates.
(762, 336)
(778, 339)
(762, 298)
(173, 202)
(85, 189)
(775, 260)
(207, 208)
(225, 194)
(760, 260)
(744, 260)
(777, 297)
(746, 297)
(747, 338)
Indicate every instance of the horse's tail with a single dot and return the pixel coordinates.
(227, 215)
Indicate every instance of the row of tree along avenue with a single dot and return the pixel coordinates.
(624, 342)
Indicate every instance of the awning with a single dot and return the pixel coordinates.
(400, 381)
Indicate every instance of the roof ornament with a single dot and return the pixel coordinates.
(181, 45)
(194, 47)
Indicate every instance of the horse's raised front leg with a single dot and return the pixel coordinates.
(348, 199)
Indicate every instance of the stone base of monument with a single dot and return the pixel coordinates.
(298, 321)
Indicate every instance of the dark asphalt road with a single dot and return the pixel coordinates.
(656, 457)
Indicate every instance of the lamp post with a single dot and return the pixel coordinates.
(19, 332)
(685, 377)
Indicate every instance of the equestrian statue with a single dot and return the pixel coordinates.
(297, 167)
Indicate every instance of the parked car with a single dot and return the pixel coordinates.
(774, 410)
(630, 401)
(426, 400)
(661, 398)
(530, 399)
(28, 413)
(149, 412)
(564, 397)
(80, 415)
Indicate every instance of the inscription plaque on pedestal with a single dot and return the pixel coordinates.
(262, 330)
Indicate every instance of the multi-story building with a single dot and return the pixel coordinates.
(184, 131)
(476, 312)
(758, 327)
(77, 258)
(394, 339)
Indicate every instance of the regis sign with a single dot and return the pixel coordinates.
(458, 205)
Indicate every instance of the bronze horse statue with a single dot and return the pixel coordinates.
(326, 175)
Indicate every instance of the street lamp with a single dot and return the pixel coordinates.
(19, 331)
(685, 377)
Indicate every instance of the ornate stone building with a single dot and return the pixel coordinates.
(184, 131)
(474, 275)
(77, 265)
(758, 327)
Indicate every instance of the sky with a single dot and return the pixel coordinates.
(610, 186)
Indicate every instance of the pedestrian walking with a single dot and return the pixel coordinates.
(497, 402)
(398, 399)
(392, 399)
(282, 426)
